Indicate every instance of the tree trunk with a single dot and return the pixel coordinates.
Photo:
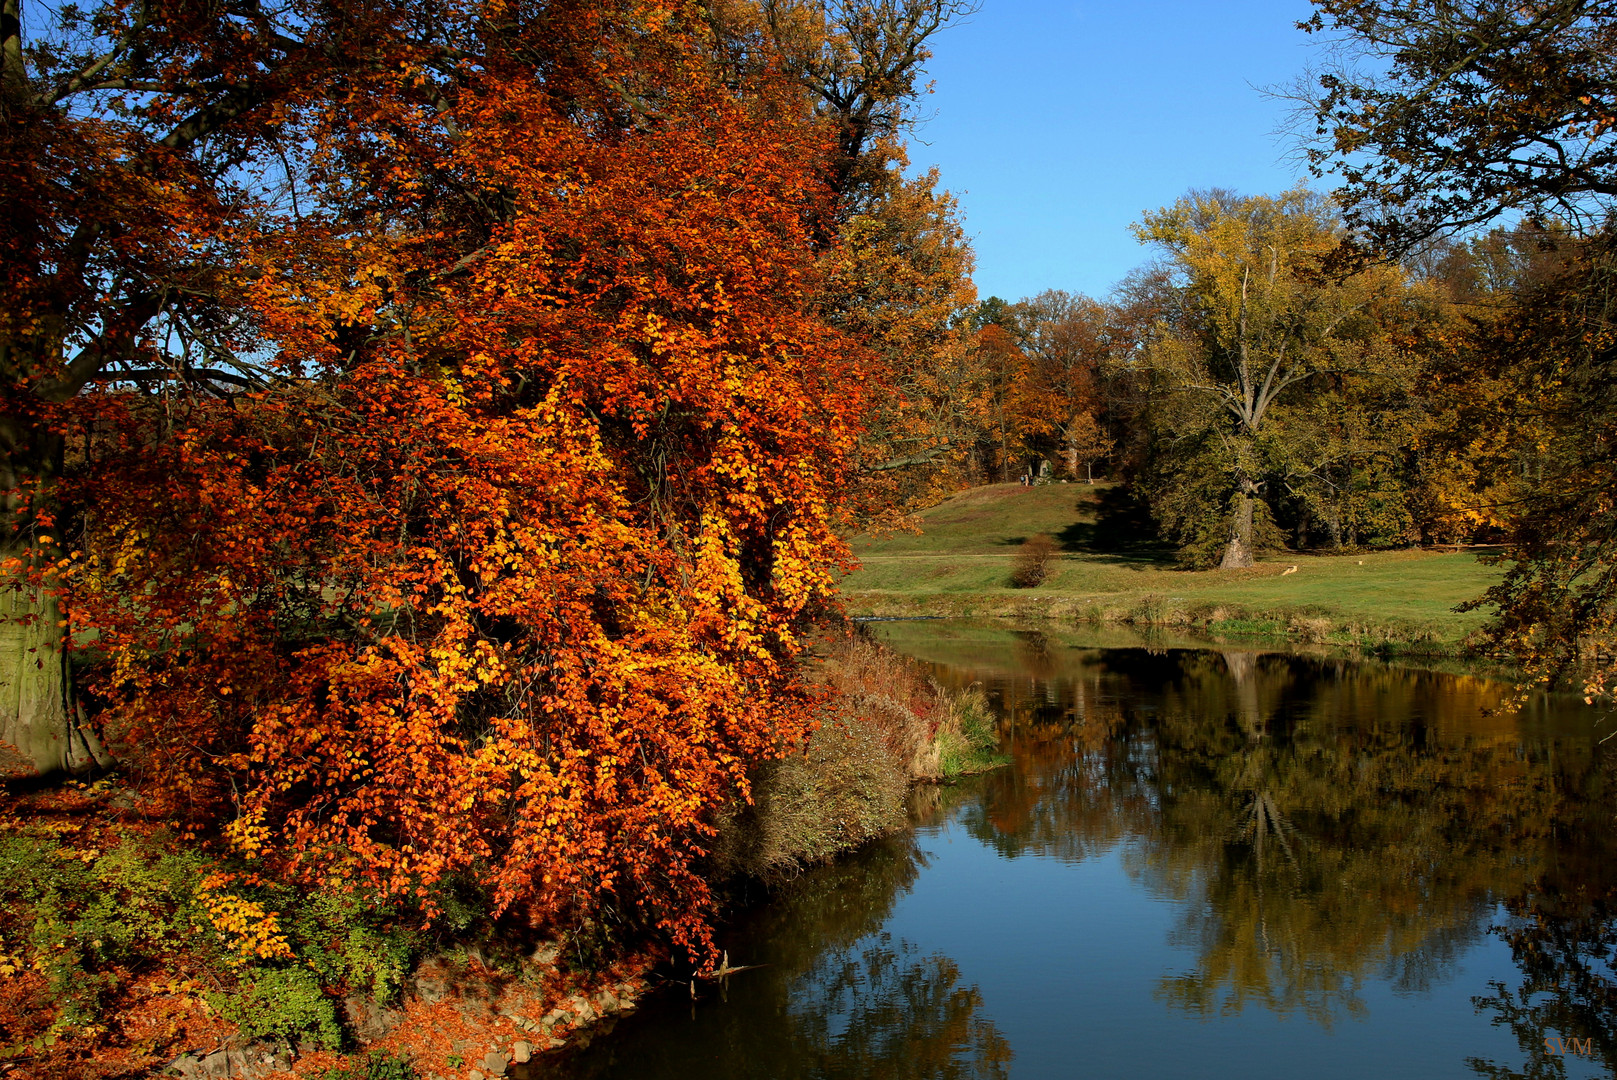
(40, 730)
(1243, 668)
(1004, 452)
(1238, 552)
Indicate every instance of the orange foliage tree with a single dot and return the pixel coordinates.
(502, 572)
(1065, 341)
(897, 267)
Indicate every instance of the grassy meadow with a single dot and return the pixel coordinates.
(959, 564)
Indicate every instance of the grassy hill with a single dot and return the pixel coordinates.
(960, 561)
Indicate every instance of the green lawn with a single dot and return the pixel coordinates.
(959, 565)
(993, 520)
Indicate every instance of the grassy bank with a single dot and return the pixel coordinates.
(960, 563)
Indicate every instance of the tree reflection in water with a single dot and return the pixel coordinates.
(836, 998)
(1564, 1013)
(1318, 827)
(1321, 824)
(888, 1012)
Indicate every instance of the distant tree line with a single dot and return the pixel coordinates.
(1261, 384)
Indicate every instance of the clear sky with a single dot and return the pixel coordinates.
(1058, 122)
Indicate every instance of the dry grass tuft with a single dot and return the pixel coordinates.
(885, 724)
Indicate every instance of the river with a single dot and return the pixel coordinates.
(1201, 862)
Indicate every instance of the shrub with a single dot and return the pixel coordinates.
(376, 1065)
(885, 724)
(90, 918)
(1033, 561)
(845, 789)
(887, 693)
(285, 1003)
(93, 922)
(358, 950)
(1153, 609)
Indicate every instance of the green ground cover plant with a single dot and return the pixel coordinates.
(93, 918)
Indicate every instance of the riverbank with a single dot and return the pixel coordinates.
(884, 727)
(128, 948)
(959, 565)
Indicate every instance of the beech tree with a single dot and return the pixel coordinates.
(862, 61)
(1554, 381)
(1083, 442)
(137, 140)
(897, 278)
(899, 269)
(499, 563)
(1477, 452)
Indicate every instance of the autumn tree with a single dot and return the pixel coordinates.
(142, 145)
(124, 130)
(1555, 381)
(898, 278)
(1476, 456)
(1255, 326)
(1083, 442)
(896, 260)
(1068, 342)
(1442, 116)
(862, 61)
(1439, 119)
(499, 567)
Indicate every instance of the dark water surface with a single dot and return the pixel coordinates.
(1201, 863)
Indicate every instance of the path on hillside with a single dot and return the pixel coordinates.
(939, 555)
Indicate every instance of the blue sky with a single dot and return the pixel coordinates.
(1058, 123)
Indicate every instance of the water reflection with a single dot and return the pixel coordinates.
(1564, 1009)
(835, 996)
(885, 1011)
(1334, 843)
(1318, 824)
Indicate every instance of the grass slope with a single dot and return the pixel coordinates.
(959, 565)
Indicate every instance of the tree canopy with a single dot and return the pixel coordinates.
(1459, 113)
(432, 424)
(1439, 117)
(1256, 341)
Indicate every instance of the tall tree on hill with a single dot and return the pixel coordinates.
(897, 278)
(1254, 324)
(862, 61)
(1068, 343)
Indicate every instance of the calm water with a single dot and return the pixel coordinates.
(1202, 863)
